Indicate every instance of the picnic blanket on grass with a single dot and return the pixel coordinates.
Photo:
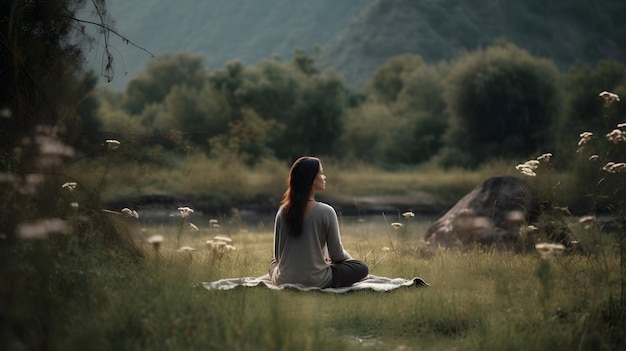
(374, 283)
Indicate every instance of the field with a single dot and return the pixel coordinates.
(477, 300)
(106, 280)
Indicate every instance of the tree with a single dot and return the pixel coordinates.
(502, 103)
(40, 67)
(307, 107)
(160, 77)
(389, 79)
(584, 107)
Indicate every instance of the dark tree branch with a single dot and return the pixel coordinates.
(106, 29)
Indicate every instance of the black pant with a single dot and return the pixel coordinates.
(348, 272)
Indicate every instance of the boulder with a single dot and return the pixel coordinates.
(490, 215)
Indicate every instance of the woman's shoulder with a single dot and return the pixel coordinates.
(325, 208)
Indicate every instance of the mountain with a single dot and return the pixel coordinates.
(221, 30)
(565, 31)
(357, 36)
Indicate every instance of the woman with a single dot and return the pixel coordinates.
(307, 244)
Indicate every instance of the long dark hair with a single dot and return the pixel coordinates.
(299, 185)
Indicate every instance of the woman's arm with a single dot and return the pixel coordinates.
(333, 240)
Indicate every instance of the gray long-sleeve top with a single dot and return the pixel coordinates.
(306, 259)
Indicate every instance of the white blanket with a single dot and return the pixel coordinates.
(374, 283)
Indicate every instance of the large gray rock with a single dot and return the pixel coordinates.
(491, 215)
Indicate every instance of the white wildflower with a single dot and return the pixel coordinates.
(223, 238)
(69, 186)
(74, 204)
(545, 157)
(614, 167)
(587, 221)
(408, 214)
(185, 211)
(112, 144)
(194, 227)
(594, 157)
(396, 225)
(584, 138)
(130, 213)
(528, 168)
(615, 136)
(609, 97)
(155, 239)
(621, 125)
(385, 248)
(547, 249)
(186, 248)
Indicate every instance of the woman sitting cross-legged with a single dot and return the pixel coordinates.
(307, 245)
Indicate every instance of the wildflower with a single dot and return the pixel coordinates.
(545, 157)
(193, 227)
(593, 157)
(112, 144)
(230, 248)
(528, 168)
(396, 225)
(156, 241)
(531, 228)
(547, 249)
(584, 138)
(215, 244)
(185, 211)
(621, 125)
(74, 204)
(613, 167)
(41, 228)
(616, 136)
(587, 221)
(385, 248)
(213, 222)
(186, 248)
(609, 97)
(69, 186)
(223, 238)
(130, 213)
(408, 214)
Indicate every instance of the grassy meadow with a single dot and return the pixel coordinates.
(79, 296)
(109, 279)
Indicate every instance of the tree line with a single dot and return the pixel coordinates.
(499, 102)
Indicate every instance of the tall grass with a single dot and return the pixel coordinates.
(477, 299)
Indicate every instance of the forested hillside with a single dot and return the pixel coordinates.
(565, 31)
(357, 36)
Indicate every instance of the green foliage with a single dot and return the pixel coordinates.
(502, 102)
(275, 108)
(585, 108)
(389, 79)
(160, 77)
